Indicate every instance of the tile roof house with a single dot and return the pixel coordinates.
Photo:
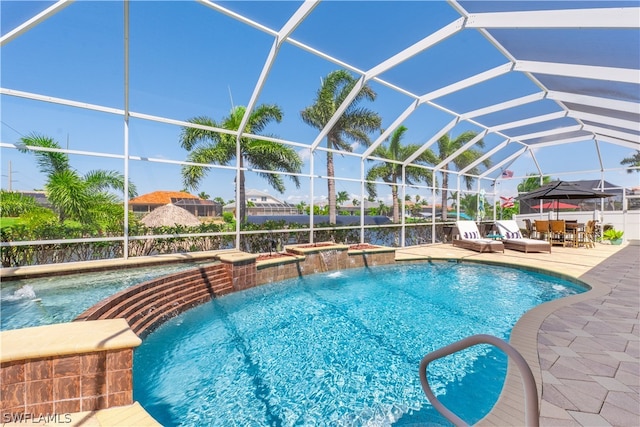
(193, 204)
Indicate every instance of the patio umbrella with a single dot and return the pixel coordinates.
(556, 204)
(562, 190)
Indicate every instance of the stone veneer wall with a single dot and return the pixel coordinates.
(147, 305)
(371, 257)
(60, 385)
(71, 367)
(241, 268)
(278, 269)
(315, 260)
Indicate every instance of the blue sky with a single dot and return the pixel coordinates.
(187, 60)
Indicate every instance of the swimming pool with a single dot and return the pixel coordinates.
(339, 348)
(57, 299)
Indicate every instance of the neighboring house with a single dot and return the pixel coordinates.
(355, 209)
(261, 203)
(193, 204)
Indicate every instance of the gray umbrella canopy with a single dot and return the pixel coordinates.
(169, 216)
(562, 190)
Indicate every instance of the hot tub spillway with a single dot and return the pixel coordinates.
(147, 305)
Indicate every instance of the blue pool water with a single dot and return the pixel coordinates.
(339, 349)
(57, 299)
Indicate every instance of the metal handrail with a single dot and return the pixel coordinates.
(532, 416)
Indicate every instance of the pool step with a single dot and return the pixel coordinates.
(148, 304)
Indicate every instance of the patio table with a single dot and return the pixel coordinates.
(576, 229)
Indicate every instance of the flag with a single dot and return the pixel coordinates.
(507, 173)
(507, 202)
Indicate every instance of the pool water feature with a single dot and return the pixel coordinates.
(339, 348)
(57, 299)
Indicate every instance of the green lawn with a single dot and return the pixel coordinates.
(8, 221)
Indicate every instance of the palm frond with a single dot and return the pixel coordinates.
(48, 162)
(191, 137)
(375, 173)
(262, 116)
(276, 157)
(192, 174)
(632, 161)
(69, 194)
(103, 180)
(394, 141)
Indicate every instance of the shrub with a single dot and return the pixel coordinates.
(228, 217)
(612, 234)
(39, 217)
(15, 204)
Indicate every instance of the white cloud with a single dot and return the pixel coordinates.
(355, 146)
(304, 154)
(295, 199)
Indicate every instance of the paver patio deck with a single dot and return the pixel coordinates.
(584, 350)
(587, 354)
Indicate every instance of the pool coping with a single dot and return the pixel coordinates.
(69, 338)
(35, 271)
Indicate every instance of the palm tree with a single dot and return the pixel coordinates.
(301, 207)
(454, 199)
(392, 172)
(382, 208)
(469, 204)
(72, 195)
(448, 146)
(342, 197)
(206, 146)
(354, 124)
(532, 182)
(632, 161)
(203, 195)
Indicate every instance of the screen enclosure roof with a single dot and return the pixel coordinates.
(528, 77)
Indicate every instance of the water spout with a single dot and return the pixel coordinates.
(25, 292)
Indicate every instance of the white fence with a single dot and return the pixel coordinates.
(628, 221)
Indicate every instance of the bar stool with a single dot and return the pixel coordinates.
(557, 232)
(542, 229)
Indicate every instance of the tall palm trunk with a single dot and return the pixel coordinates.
(331, 188)
(242, 202)
(331, 184)
(445, 186)
(396, 204)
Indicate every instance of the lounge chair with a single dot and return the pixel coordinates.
(512, 239)
(469, 238)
